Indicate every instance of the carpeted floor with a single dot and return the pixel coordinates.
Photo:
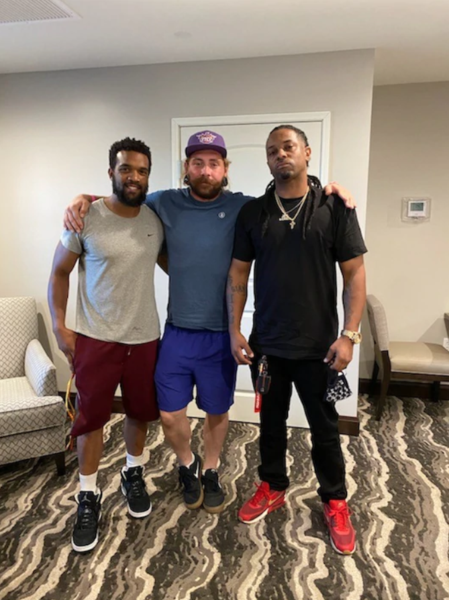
(398, 480)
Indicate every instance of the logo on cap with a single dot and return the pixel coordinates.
(206, 137)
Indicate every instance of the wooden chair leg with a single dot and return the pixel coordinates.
(383, 394)
(374, 376)
(60, 463)
(435, 391)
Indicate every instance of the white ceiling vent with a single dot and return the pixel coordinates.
(33, 11)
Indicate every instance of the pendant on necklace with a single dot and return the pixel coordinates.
(284, 218)
(292, 225)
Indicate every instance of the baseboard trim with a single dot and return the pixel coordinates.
(348, 425)
(405, 389)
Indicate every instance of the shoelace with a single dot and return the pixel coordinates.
(137, 484)
(137, 488)
(88, 517)
(211, 482)
(263, 491)
(340, 517)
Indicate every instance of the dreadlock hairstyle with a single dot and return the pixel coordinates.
(311, 179)
(299, 132)
(128, 145)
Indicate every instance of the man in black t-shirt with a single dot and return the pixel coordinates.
(296, 235)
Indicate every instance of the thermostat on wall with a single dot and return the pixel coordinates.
(415, 210)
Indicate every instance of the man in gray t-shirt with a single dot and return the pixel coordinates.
(117, 329)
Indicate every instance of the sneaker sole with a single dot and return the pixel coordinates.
(89, 547)
(214, 510)
(264, 514)
(136, 515)
(198, 503)
(342, 552)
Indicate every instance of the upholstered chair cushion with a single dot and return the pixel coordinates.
(419, 357)
(40, 371)
(21, 410)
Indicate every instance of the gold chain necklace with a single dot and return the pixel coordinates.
(285, 216)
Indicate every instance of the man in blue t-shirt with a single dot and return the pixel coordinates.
(195, 350)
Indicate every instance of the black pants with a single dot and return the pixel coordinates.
(310, 380)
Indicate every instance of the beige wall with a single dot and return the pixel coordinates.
(56, 128)
(408, 264)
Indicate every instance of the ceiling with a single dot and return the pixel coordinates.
(410, 36)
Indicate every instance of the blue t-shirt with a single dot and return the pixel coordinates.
(200, 239)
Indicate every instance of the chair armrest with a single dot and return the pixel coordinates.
(40, 371)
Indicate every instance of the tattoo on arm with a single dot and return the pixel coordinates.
(231, 291)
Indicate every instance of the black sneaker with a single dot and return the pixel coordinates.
(134, 488)
(189, 478)
(214, 497)
(85, 532)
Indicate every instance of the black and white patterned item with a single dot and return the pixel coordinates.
(337, 386)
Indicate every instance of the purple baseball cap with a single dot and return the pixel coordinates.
(206, 140)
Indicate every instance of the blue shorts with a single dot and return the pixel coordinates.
(189, 357)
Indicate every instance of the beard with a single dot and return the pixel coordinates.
(285, 175)
(127, 198)
(205, 188)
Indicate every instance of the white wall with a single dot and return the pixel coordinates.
(56, 128)
(408, 264)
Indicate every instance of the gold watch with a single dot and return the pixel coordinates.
(354, 336)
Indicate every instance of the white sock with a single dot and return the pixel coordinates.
(213, 468)
(88, 483)
(190, 463)
(134, 461)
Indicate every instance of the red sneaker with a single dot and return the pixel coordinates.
(263, 502)
(337, 516)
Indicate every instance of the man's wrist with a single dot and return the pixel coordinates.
(353, 335)
(59, 328)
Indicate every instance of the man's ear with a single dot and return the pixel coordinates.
(308, 150)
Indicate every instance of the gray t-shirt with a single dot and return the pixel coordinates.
(116, 300)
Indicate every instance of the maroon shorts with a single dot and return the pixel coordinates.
(99, 368)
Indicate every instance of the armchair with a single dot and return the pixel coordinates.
(32, 415)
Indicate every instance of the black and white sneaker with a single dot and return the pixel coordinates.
(214, 497)
(134, 488)
(85, 532)
(190, 480)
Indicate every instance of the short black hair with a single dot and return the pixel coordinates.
(299, 132)
(128, 145)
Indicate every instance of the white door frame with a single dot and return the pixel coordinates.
(322, 117)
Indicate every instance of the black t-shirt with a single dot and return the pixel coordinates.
(295, 285)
